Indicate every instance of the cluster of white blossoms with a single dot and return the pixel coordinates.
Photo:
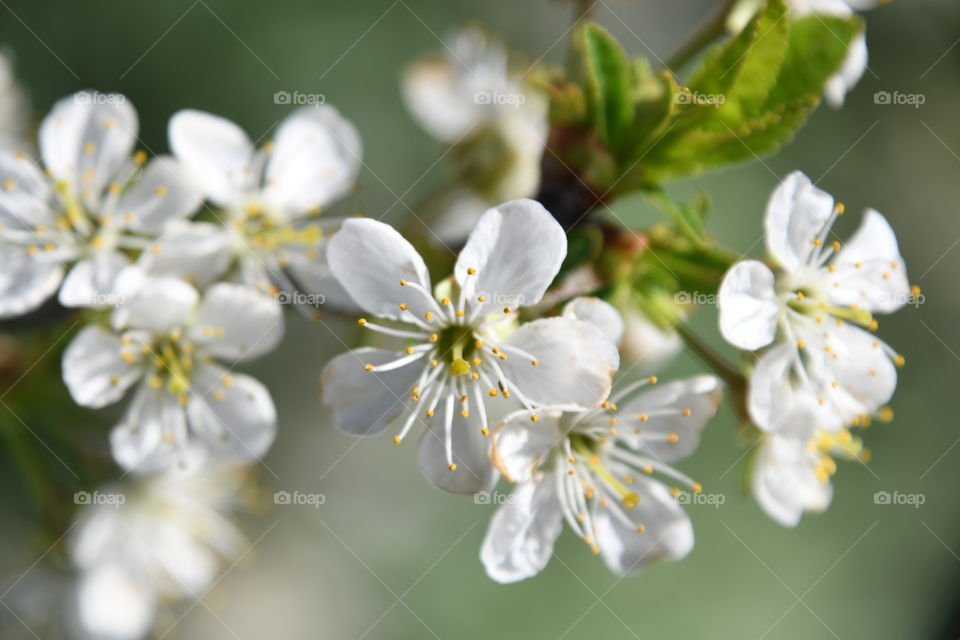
(821, 370)
(572, 452)
(174, 304)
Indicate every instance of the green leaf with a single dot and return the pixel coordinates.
(687, 219)
(608, 83)
(818, 48)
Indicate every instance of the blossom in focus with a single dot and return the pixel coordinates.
(464, 344)
(815, 313)
(469, 96)
(595, 470)
(151, 541)
(93, 201)
(270, 199)
(163, 340)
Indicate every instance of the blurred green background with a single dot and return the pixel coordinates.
(387, 556)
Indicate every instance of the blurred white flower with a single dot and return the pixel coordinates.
(160, 539)
(809, 309)
(165, 338)
(470, 97)
(94, 201)
(271, 198)
(850, 72)
(792, 468)
(590, 468)
(463, 347)
(14, 107)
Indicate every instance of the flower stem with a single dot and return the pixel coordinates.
(702, 37)
(734, 379)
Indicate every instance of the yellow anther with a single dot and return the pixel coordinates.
(428, 315)
(403, 282)
(641, 528)
(475, 375)
(481, 298)
(140, 157)
(477, 361)
(534, 417)
(675, 491)
(885, 414)
(800, 295)
(839, 208)
(403, 306)
(452, 466)
(899, 360)
(160, 191)
(644, 417)
(507, 310)
(801, 344)
(484, 432)
(445, 301)
(492, 392)
(434, 337)
(397, 439)
(696, 487)
(464, 414)
(429, 413)
(471, 271)
(362, 321)
(535, 363)
(9, 184)
(836, 247)
(368, 367)
(409, 350)
(652, 379)
(686, 413)
(89, 147)
(672, 438)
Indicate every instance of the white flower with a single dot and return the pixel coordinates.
(792, 468)
(270, 199)
(853, 66)
(155, 540)
(165, 337)
(589, 468)
(461, 350)
(469, 96)
(808, 311)
(93, 202)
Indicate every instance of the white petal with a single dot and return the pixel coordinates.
(784, 482)
(30, 200)
(796, 215)
(90, 282)
(93, 369)
(144, 440)
(595, 311)
(315, 160)
(218, 154)
(236, 322)
(520, 445)
(471, 454)
(114, 603)
(164, 192)
(667, 532)
(232, 414)
(87, 137)
(157, 304)
(198, 252)
(749, 308)
(517, 249)
(370, 258)
(364, 402)
(576, 363)
(459, 212)
(864, 375)
(770, 397)
(645, 345)
(438, 100)
(880, 282)
(25, 282)
(846, 78)
(699, 395)
(520, 538)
